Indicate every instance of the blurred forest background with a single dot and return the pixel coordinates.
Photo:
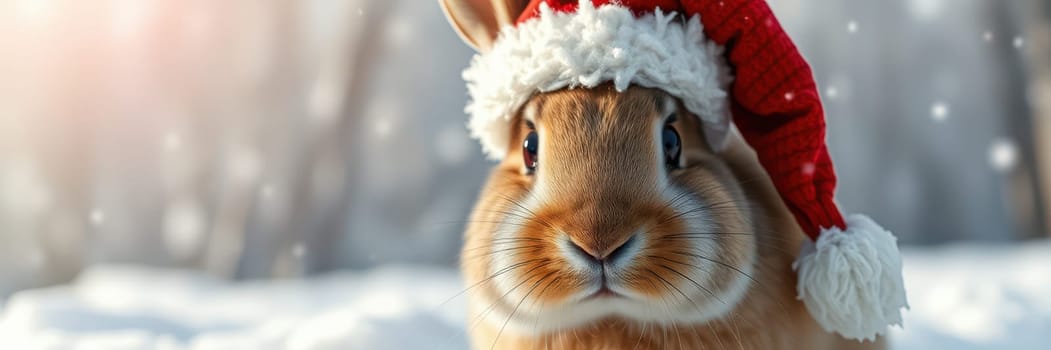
(277, 139)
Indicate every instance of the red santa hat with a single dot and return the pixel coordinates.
(850, 274)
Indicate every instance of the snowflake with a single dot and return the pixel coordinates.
(1003, 154)
(382, 127)
(1018, 42)
(299, 250)
(831, 92)
(926, 9)
(325, 100)
(939, 111)
(852, 27)
(808, 168)
(97, 217)
(184, 228)
(987, 36)
(172, 141)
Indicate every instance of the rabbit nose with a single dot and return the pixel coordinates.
(596, 252)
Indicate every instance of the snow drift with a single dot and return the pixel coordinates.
(963, 297)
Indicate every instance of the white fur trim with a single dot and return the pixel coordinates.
(589, 47)
(850, 280)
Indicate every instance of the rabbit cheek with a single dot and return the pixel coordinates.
(529, 271)
(706, 263)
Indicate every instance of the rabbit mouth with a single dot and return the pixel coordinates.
(603, 292)
(606, 290)
(632, 283)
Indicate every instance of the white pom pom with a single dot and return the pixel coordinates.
(850, 280)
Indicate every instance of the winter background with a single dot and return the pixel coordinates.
(199, 174)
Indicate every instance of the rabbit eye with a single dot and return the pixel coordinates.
(672, 146)
(529, 149)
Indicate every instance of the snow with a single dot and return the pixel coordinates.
(1018, 42)
(172, 141)
(963, 297)
(831, 92)
(97, 217)
(926, 9)
(184, 227)
(1003, 154)
(939, 111)
(134, 307)
(978, 297)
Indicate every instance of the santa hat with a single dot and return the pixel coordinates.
(850, 274)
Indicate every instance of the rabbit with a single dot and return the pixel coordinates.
(612, 223)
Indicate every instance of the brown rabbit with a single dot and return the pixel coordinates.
(612, 222)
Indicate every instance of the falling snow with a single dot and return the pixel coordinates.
(831, 92)
(926, 9)
(97, 217)
(299, 250)
(325, 100)
(939, 111)
(172, 141)
(808, 168)
(382, 127)
(185, 224)
(184, 228)
(1003, 154)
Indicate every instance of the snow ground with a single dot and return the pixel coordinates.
(963, 297)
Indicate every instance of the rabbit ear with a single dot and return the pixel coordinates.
(479, 21)
(717, 133)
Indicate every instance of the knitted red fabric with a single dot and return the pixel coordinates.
(775, 101)
(776, 106)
